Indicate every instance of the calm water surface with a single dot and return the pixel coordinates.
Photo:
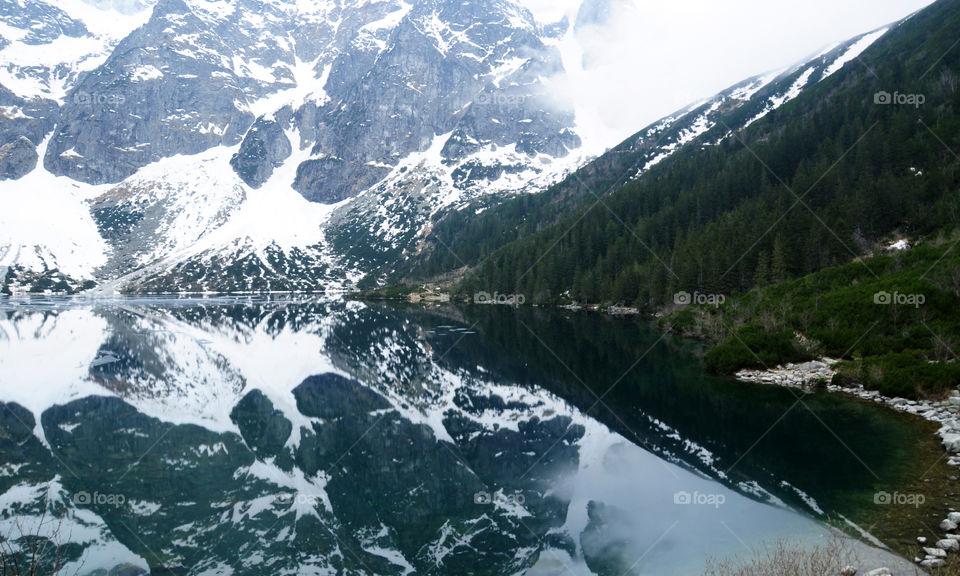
(261, 436)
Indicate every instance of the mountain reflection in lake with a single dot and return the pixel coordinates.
(254, 436)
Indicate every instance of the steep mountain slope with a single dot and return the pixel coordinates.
(282, 145)
(195, 118)
(463, 238)
(824, 179)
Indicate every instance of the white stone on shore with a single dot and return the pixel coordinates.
(951, 441)
(948, 544)
(879, 572)
(933, 563)
(946, 413)
(935, 552)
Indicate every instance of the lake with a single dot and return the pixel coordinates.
(310, 435)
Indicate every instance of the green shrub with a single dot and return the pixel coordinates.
(909, 375)
(752, 347)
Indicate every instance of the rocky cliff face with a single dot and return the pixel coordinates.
(264, 149)
(462, 72)
(330, 103)
(275, 145)
(17, 158)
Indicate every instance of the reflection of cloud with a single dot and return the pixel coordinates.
(654, 58)
(77, 525)
(45, 357)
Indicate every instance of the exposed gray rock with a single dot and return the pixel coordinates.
(331, 180)
(165, 90)
(40, 21)
(17, 159)
(32, 119)
(477, 79)
(264, 148)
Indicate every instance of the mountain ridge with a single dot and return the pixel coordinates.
(234, 113)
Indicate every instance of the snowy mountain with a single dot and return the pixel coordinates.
(262, 145)
(754, 98)
(212, 142)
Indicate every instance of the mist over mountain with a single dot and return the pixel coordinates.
(193, 145)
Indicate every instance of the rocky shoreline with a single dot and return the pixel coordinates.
(946, 413)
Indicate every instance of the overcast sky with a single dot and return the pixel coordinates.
(660, 55)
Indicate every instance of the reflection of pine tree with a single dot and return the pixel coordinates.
(34, 551)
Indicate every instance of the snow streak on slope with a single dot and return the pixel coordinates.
(47, 65)
(196, 209)
(30, 509)
(779, 100)
(764, 93)
(854, 51)
(55, 349)
(274, 214)
(46, 225)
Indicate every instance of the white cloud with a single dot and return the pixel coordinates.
(654, 58)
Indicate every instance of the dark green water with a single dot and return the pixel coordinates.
(252, 436)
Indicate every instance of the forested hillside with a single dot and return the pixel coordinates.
(864, 155)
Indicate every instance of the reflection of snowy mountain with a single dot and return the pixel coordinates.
(317, 437)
